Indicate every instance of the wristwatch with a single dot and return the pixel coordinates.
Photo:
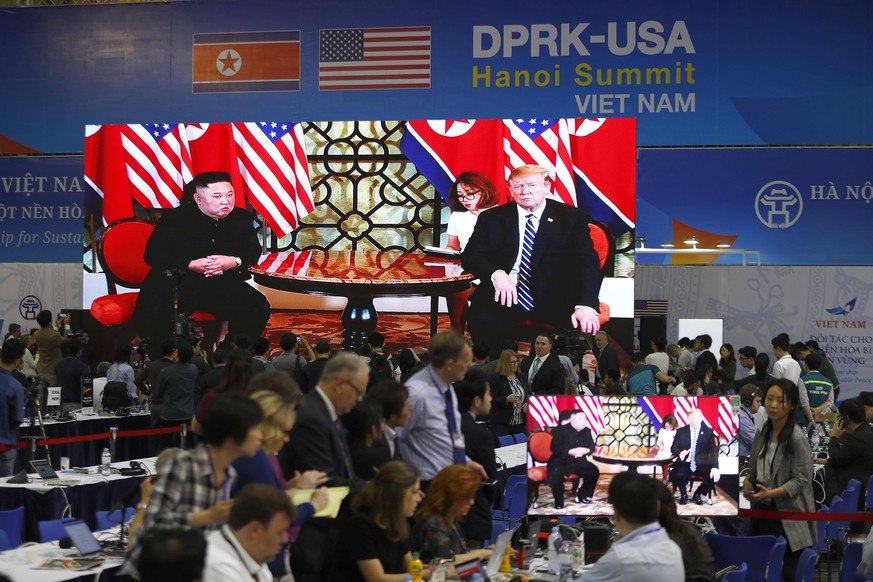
(238, 261)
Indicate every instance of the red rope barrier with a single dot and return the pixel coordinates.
(804, 516)
(95, 437)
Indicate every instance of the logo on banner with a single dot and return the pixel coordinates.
(778, 204)
(843, 309)
(29, 307)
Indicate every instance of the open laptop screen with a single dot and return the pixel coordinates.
(82, 537)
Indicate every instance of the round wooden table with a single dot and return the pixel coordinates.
(641, 457)
(361, 276)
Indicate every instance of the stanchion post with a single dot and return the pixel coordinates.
(183, 434)
(113, 437)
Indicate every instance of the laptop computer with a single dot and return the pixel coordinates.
(81, 536)
(465, 570)
(48, 475)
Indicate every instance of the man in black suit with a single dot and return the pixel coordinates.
(543, 369)
(474, 400)
(317, 442)
(850, 449)
(697, 454)
(607, 358)
(572, 444)
(536, 263)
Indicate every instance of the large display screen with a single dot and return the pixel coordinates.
(578, 444)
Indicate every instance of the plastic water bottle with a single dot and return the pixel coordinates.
(816, 439)
(565, 561)
(105, 460)
(554, 543)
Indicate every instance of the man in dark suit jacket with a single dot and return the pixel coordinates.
(543, 369)
(558, 286)
(850, 449)
(607, 358)
(703, 462)
(317, 442)
(474, 400)
(572, 444)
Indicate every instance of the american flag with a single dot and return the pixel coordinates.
(543, 411)
(374, 58)
(546, 143)
(158, 162)
(272, 163)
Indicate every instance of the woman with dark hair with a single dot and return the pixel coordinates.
(437, 532)
(696, 555)
(780, 473)
(122, 371)
(470, 194)
(236, 374)
(761, 377)
(509, 395)
(374, 544)
(727, 368)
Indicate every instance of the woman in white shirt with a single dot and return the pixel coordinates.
(470, 194)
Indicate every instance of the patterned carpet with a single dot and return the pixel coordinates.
(401, 330)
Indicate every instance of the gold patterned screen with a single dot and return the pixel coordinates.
(628, 430)
(368, 195)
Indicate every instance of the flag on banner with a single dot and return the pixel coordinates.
(246, 61)
(374, 58)
(288, 262)
(546, 143)
(106, 172)
(544, 411)
(273, 166)
(604, 161)
(443, 149)
(149, 163)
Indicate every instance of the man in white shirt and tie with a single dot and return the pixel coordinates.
(537, 265)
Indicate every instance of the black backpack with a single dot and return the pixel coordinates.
(380, 368)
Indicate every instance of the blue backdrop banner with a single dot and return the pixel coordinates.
(41, 209)
(797, 206)
(721, 72)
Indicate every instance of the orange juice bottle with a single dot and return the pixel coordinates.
(416, 566)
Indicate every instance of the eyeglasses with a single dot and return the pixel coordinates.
(358, 391)
(468, 195)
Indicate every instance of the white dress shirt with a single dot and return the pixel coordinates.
(227, 560)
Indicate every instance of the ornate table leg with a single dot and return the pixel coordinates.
(359, 321)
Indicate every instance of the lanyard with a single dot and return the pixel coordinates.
(773, 458)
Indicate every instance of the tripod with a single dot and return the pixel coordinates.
(33, 412)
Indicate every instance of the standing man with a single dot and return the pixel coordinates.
(48, 345)
(819, 389)
(289, 361)
(697, 454)
(746, 358)
(536, 263)
(645, 550)
(205, 246)
(432, 439)
(254, 534)
(69, 373)
(705, 360)
(607, 358)
(11, 403)
(572, 444)
(750, 400)
(544, 371)
(147, 379)
(788, 368)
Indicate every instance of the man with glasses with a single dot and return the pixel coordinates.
(536, 263)
(317, 440)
